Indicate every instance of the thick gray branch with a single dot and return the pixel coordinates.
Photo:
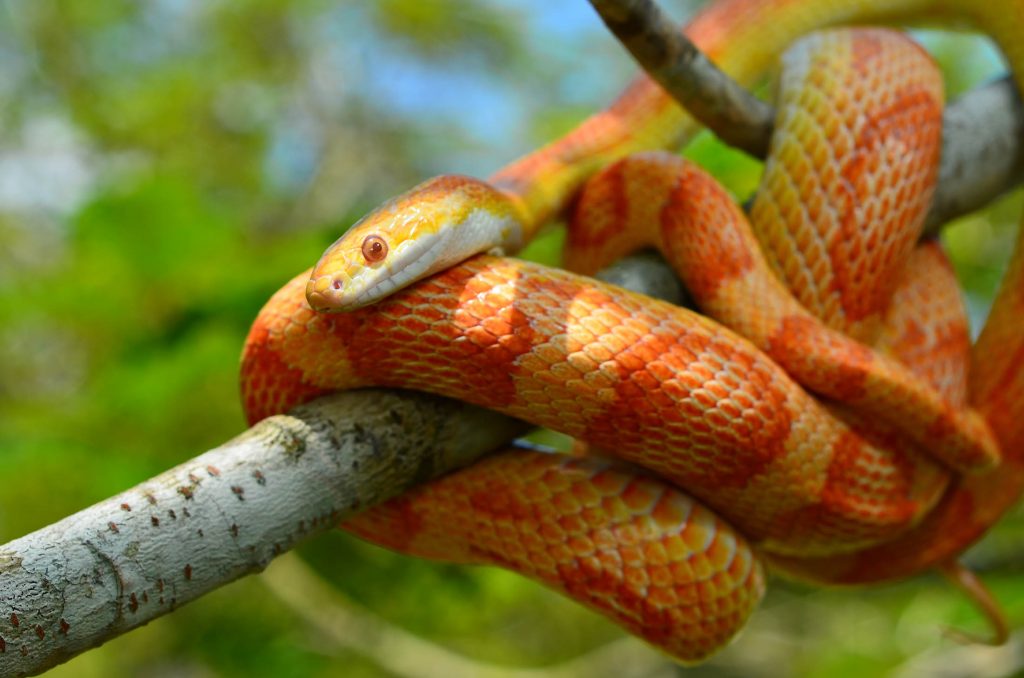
(982, 151)
(227, 513)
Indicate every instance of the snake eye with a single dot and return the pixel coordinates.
(374, 249)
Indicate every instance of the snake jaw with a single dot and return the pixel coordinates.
(432, 227)
(344, 283)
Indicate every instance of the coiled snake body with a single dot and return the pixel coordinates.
(897, 464)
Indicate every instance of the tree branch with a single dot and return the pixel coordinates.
(227, 513)
(982, 151)
(983, 131)
(671, 59)
(132, 558)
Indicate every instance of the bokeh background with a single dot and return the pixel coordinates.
(166, 164)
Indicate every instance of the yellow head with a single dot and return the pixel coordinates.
(437, 224)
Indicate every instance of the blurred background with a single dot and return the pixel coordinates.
(166, 164)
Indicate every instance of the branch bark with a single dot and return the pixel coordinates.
(672, 60)
(225, 514)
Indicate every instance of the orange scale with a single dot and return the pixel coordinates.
(661, 369)
(688, 594)
(506, 530)
(719, 420)
(539, 562)
(730, 409)
(588, 564)
(586, 493)
(573, 577)
(500, 355)
(747, 402)
(537, 493)
(612, 509)
(718, 390)
(475, 336)
(679, 389)
(559, 405)
(660, 397)
(629, 336)
(706, 589)
(565, 371)
(615, 343)
(631, 555)
(293, 330)
(302, 315)
(631, 392)
(496, 325)
(597, 352)
(548, 381)
(607, 317)
(636, 577)
(610, 559)
(551, 532)
(706, 399)
(434, 312)
(672, 511)
(640, 496)
(609, 482)
(606, 591)
(603, 378)
(515, 345)
(721, 583)
(580, 545)
(698, 535)
(435, 340)
(473, 311)
(644, 352)
(688, 407)
(661, 596)
(526, 372)
(565, 504)
(561, 554)
(587, 411)
(581, 362)
(550, 353)
(721, 552)
(588, 328)
(655, 553)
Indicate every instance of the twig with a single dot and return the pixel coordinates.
(983, 131)
(735, 115)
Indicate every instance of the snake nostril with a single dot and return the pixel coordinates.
(337, 284)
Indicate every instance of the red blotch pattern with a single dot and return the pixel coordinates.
(630, 546)
(537, 343)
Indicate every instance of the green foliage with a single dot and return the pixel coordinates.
(173, 162)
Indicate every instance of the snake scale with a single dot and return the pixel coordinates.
(828, 417)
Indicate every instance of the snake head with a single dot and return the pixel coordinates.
(435, 225)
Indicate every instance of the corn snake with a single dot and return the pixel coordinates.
(535, 343)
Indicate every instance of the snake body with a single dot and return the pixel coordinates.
(860, 488)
